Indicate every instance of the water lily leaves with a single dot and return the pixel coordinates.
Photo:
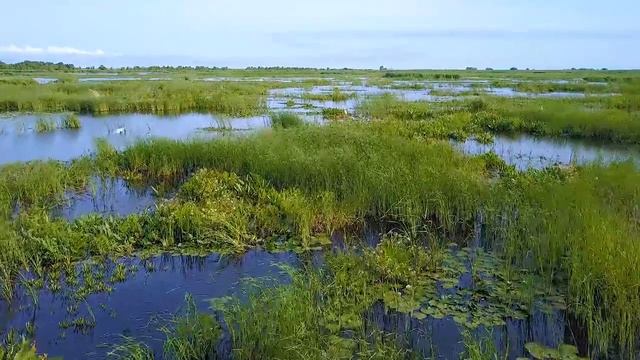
(419, 315)
(563, 352)
(541, 352)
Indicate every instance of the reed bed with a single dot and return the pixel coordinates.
(162, 97)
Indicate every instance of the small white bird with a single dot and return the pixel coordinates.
(120, 130)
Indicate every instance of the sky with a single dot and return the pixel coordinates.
(398, 34)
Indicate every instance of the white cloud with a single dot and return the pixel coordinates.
(49, 50)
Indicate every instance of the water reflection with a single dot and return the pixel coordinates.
(525, 151)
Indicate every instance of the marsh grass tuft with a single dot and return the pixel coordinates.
(71, 121)
(45, 125)
(284, 120)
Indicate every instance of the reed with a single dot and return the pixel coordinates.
(285, 120)
(135, 96)
(71, 121)
(45, 125)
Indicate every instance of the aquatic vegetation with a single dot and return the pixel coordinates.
(548, 87)
(336, 95)
(557, 238)
(388, 106)
(44, 125)
(480, 349)
(135, 96)
(129, 349)
(285, 120)
(407, 86)
(313, 314)
(13, 348)
(564, 352)
(40, 184)
(558, 118)
(71, 121)
(193, 334)
(304, 320)
(335, 114)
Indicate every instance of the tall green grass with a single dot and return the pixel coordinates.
(377, 174)
(45, 125)
(575, 227)
(336, 95)
(560, 118)
(39, 184)
(285, 120)
(71, 121)
(605, 119)
(135, 96)
(306, 319)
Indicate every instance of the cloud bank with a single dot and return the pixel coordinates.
(49, 50)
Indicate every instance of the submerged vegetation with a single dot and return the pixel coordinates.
(467, 238)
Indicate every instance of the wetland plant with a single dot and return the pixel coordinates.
(335, 114)
(71, 121)
(336, 95)
(44, 125)
(284, 120)
(192, 334)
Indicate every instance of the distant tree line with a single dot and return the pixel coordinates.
(37, 65)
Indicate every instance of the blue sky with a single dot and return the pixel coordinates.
(335, 33)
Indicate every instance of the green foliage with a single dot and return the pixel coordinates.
(559, 118)
(193, 334)
(336, 95)
(134, 96)
(71, 121)
(335, 114)
(14, 348)
(130, 349)
(285, 120)
(388, 106)
(563, 352)
(305, 319)
(39, 184)
(44, 125)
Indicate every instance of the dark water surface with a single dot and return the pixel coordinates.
(138, 306)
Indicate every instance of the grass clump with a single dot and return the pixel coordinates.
(18, 349)
(71, 121)
(305, 320)
(388, 106)
(335, 114)
(558, 118)
(336, 95)
(45, 125)
(285, 120)
(193, 334)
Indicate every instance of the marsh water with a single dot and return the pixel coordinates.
(525, 151)
(107, 197)
(155, 289)
(19, 140)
